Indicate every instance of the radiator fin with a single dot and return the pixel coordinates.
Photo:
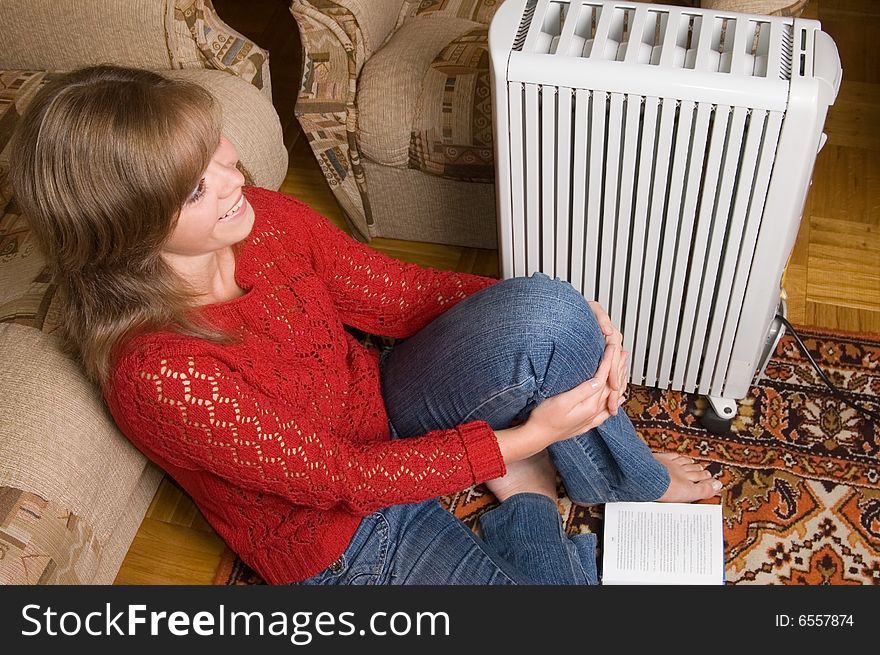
(525, 23)
(651, 206)
(786, 53)
(636, 159)
(672, 38)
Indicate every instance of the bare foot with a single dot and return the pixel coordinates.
(688, 480)
(535, 474)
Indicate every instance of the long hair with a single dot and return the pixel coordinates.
(103, 159)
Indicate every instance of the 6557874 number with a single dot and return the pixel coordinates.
(814, 620)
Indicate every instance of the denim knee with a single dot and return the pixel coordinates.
(558, 310)
(554, 304)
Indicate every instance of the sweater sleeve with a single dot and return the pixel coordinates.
(194, 413)
(372, 291)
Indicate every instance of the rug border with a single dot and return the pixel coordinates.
(867, 336)
(224, 569)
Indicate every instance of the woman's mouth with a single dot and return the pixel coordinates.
(235, 210)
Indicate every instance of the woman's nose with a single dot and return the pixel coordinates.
(233, 180)
(228, 175)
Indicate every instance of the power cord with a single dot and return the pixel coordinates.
(864, 411)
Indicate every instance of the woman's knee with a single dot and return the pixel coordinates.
(552, 307)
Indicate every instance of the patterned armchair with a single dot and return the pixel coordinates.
(73, 490)
(395, 102)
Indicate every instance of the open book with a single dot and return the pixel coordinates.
(663, 543)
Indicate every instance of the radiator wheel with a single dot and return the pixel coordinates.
(714, 423)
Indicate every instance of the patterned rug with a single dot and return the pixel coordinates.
(801, 470)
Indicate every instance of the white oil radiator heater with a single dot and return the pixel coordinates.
(658, 158)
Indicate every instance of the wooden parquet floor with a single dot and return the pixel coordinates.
(833, 278)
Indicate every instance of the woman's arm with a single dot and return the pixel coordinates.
(193, 412)
(372, 292)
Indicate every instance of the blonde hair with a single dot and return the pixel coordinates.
(102, 161)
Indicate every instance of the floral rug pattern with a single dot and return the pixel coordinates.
(801, 469)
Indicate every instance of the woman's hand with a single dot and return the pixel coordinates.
(564, 415)
(577, 410)
(614, 351)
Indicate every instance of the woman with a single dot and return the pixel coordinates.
(213, 315)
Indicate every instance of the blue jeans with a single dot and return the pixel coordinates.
(493, 357)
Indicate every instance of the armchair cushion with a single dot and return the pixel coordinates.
(375, 19)
(25, 292)
(249, 122)
(480, 11)
(452, 128)
(392, 81)
(42, 542)
(39, 34)
(770, 7)
(434, 113)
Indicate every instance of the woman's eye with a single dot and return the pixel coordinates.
(197, 193)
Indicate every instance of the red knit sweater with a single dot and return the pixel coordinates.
(281, 438)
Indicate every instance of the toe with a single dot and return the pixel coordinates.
(709, 488)
(698, 475)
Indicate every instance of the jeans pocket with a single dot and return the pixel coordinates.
(363, 561)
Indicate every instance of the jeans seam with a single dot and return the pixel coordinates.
(489, 555)
(496, 395)
(383, 530)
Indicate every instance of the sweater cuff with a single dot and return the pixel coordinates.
(483, 453)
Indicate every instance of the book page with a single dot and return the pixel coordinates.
(663, 543)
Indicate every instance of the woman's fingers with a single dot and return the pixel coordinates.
(622, 374)
(584, 400)
(602, 318)
(605, 370)
(597, 420)
(615, 337)
(612, 334)
(613, 352)
(615, 368)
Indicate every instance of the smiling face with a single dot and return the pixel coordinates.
(216, 215)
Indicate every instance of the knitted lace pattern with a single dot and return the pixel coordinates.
(281, 437)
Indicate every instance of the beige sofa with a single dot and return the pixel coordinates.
(395, 103)
(73, 491)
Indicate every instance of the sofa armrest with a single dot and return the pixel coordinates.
(205, 41)
(154, 34)
(73, 490)
(360, 26)
(338, 36)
